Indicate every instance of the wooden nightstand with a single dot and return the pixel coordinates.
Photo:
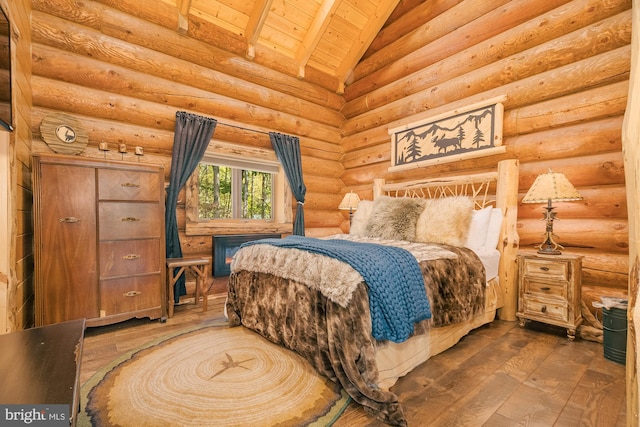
(549, 290)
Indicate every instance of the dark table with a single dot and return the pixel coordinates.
(42, 366)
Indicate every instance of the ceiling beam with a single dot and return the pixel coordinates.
(254, 25)
(361, 44)
(314, 34)
(183, 15)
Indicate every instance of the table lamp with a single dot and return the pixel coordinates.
(349, 201)
(551, 187)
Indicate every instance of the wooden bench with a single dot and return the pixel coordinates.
(199, 267)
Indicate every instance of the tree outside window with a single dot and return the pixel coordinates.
(226, 192)
(238, 190)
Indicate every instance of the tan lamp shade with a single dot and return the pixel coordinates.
(551, 186)
(547, 188)
(349, 202)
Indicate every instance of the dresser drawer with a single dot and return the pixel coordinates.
(130, 220)
(541, 308)
(535, 286)
(116, 184)
(129, 257)
(552, 270)
(130, 294)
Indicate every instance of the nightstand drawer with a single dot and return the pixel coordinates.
(557, 270)
(545, 288)
(541, 308)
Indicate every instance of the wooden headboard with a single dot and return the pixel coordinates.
(498, 188)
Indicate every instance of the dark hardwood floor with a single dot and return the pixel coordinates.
(498, 375)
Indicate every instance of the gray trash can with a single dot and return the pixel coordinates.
(614, 329)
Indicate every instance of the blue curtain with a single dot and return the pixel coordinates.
(287, 149)
(190, 141)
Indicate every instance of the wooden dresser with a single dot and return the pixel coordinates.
(550, 290)
(99, 240)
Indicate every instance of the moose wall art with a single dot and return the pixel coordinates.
(472, 132)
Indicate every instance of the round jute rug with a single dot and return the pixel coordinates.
(213, 376)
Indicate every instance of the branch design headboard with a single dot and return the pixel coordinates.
(475, 186)
(497, 188)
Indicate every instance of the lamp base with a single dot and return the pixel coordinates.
(548, 250)
(548, 245)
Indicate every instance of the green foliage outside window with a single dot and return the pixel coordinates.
(217, 198)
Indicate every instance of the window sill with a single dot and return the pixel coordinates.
(221, 227)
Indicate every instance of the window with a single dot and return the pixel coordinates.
(240, 193)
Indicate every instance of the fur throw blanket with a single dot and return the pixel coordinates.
(397, 294)
(335, 279)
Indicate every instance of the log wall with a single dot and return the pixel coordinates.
(631, 150)
(564, 68)
(16, 263)
(122, 69)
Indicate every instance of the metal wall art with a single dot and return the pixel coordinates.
(452, 136)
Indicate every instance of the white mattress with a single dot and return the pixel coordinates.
(491, 260)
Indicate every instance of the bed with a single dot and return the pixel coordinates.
(361, 321)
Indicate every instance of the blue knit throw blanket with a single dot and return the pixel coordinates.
(397, 295)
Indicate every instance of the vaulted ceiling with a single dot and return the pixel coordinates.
(330, 36)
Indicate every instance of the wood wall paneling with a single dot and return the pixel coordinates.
(16, 297)
(608, 67)
(539, 28)
(564, 67)
(153, 25)
(122, 69)
(631, 143)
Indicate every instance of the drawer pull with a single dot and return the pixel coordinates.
(130, 185)
(130, 219)
(69, 219)
(544, 309)
(545, 288)
(544, 268)
(131, 294)
(131, 257)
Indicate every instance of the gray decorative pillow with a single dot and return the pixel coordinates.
(394, 218)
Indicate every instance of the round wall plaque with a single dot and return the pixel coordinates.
(63, 134)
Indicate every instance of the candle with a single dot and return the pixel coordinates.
(122, 148)
(103, 146)
(139, 151)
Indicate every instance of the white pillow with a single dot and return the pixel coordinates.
(493, 230)
(360, 218)
(478, 229)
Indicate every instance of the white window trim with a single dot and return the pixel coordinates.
(235, 156)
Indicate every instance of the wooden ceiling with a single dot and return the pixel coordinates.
(328, 35)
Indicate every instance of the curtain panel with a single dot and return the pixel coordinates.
(191, 138)
(287, 149)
